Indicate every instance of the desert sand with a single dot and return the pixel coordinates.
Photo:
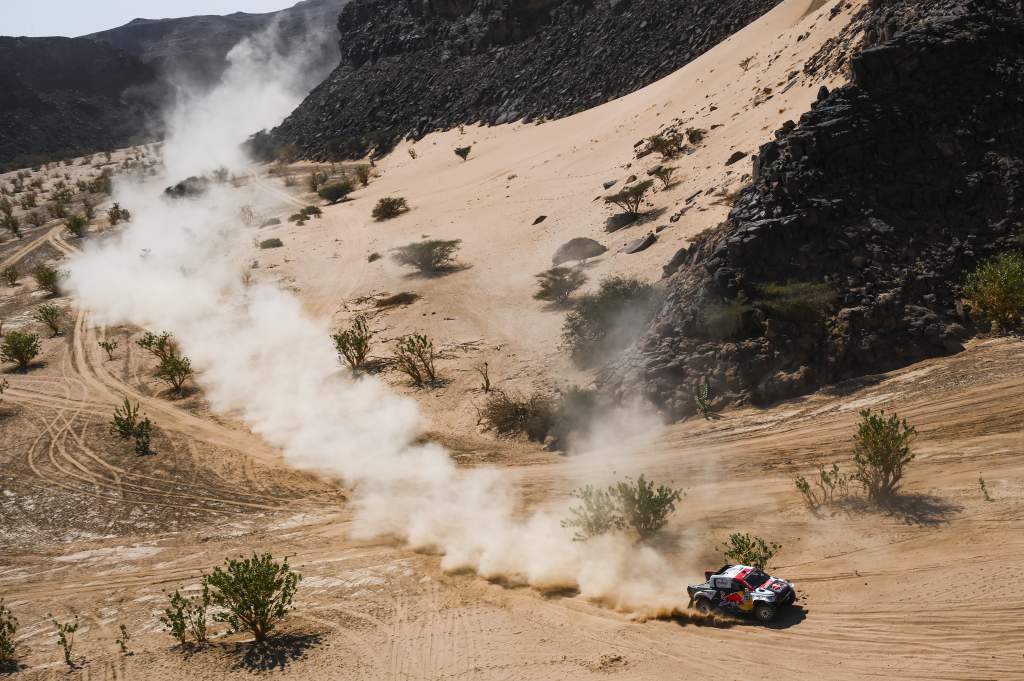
(90, 529)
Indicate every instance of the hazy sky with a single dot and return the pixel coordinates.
(78, 17)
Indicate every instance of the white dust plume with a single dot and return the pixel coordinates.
(259, 356)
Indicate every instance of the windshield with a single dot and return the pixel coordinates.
(756, 578)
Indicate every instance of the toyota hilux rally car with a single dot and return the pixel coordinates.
(741, 589)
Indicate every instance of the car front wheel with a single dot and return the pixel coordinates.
(764, 612)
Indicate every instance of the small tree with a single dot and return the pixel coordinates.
(362, 172)
(558, 283)
(20, 348)
(336, 191)
(76, 224)
(667, 145)
(353, 344)
(126, 419)
(108, 346)
(11, 223)
(47, 278)
(997, 288)
(463, 152)
(52, 316)
(485, 376)
(66, 638)
(389, 207)
(414, 357)
(184, 616)
(8, 629)
(10, 275)
(160, 345)
(255, 593)
(428, 256)
(175, 371)
(665, 174)
(746, 549)
(630, 198)
(881, 451)
(35, 218)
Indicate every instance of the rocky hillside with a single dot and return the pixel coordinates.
(65, 96)
(846, 253)
(196, 47)
(413, 67)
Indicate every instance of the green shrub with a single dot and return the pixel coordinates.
(695, 135)
(8, 630)
(336, 191)
(143, 437)
(126, 419)
(832, 484)
(116, 214)
(160, 345)
(463, 152)
(10, 275)
(746, 549)
(374, 257)
(558, 283)
(76, 224)
(255, 593)
(509, 415)
(20, 348)
(123, 637)
(414, 357)
(667, 145)
(52, 316)
(703, 400)
(353, 344)
(273, 242)
(47, 278)
(35, 218)
(389, 207)
(631, 504)
(12, 224)
(184, 616)
(66, 638)
(428, 256)
(174, 371)
(996, 287)
(881, 451)
(630, 198)
(603, 323)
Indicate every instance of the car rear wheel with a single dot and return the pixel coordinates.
(764, 612)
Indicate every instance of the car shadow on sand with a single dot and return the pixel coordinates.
(911, 508)
(786, 618)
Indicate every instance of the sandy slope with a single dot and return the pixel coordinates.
(913, 592)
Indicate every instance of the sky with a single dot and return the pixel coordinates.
(78, 17)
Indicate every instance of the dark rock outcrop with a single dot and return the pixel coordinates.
(66, 96)
(413, 66)
(878, 203)
(195, 48)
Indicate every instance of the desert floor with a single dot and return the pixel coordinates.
(913, 590)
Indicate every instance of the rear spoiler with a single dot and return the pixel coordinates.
(708, 573)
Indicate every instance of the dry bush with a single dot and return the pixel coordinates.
(389, 207)
(336, 191)
(116, 214)
(667, 145)
(558, 283)
(665, 174)
(353, 344)
(10, 275)
(746, 549)
(362, 172)
(463, 152)
(415, 357)
(273, 242)
(508, 415)
(429, 256)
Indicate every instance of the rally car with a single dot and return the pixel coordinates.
(741, 589)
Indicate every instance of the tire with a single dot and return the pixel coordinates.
(764, 612)
(702, 605)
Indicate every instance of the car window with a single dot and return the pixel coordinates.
(756, 578)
